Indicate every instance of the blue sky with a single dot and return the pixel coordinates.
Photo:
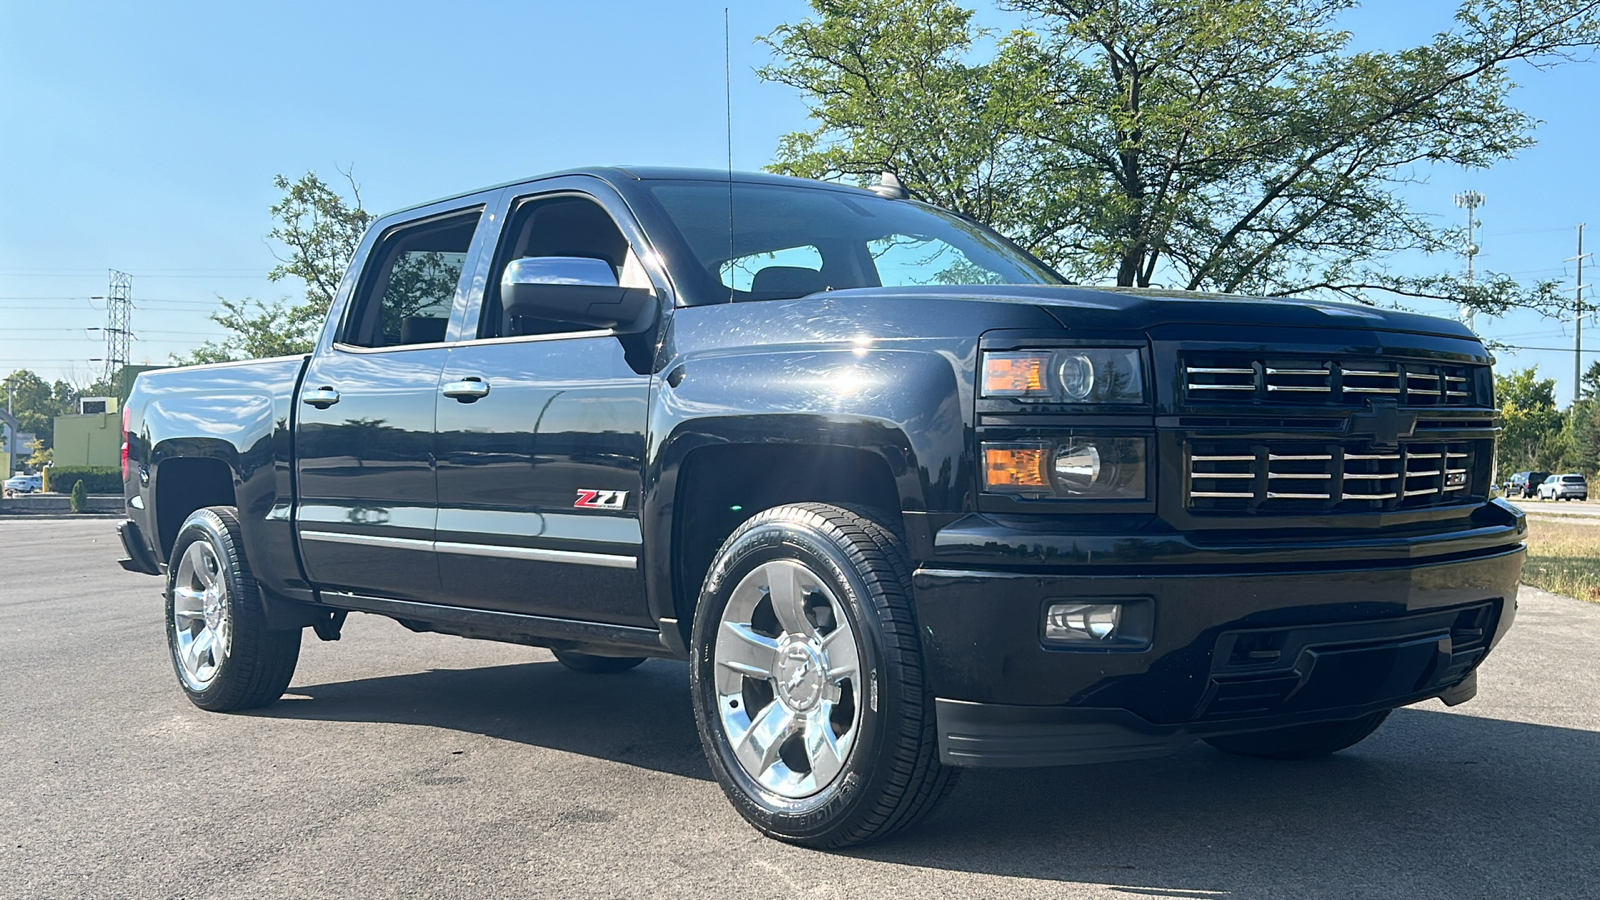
(144, 137)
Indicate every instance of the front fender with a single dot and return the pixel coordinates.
(904, 406)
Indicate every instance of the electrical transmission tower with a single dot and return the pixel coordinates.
(1470, 201)
(119, 313)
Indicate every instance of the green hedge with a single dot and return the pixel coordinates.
(95, 479)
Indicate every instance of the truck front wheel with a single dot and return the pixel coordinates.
(807, 679)
(1301, 741)
(225, 656)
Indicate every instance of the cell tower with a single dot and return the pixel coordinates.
(119, 312)
(1470, 201)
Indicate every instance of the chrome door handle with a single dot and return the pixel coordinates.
(467, 390)
(321, 398)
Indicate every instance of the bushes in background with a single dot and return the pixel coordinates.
(95, 479)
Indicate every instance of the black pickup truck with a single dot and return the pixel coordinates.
(904, 499)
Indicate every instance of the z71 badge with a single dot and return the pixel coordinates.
(588, 499)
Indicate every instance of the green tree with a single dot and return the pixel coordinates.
(35, 402)
(1582, 437)
(318, 230)
(1532, 426)
(78, 500)
(1233, 145)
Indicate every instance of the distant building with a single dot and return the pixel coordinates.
(94, 439)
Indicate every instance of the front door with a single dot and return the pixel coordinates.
(540, 443)
(364, 436)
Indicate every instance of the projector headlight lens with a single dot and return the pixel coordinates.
(1097, 375)
(1078, 467)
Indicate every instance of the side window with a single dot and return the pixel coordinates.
(744, 273)
(908, 259)
(560, 225)
(410, 284)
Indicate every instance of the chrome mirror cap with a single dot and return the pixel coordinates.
(567, 270)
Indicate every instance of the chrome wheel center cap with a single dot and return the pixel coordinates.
(799, 676)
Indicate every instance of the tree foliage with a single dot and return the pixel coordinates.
(1532, 426)
(319, 230)
(1539, 437)
(1232, 145)
(35, 402)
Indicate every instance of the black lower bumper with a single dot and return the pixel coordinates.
(139, 558)
(1223, 653)
(996, 736)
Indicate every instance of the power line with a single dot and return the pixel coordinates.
(1551, 349)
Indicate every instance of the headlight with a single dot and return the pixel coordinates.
(1069, 375)
(1079, 467)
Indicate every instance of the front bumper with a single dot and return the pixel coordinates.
(1228, 652)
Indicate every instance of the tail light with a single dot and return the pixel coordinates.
(124, 445)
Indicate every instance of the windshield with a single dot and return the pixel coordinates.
(791, 241)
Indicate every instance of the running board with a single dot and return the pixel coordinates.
(515, 628)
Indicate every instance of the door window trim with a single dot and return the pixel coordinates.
(492, 229)
(375, 256)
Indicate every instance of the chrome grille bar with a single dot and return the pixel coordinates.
(1238, 378)
(1296, 475)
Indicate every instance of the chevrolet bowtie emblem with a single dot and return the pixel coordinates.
(1383, 423)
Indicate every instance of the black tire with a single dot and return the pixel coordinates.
(589, 664)
(258, 662)
(1301, 741)
(890, 777)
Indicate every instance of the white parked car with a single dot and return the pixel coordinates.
(24, 484)
(1570, 486)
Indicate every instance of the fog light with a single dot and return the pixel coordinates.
(1082, 621)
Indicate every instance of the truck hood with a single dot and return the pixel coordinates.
(1144, 309)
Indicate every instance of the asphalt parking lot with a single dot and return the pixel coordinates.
(432, 766)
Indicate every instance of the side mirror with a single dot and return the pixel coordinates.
(575, 289)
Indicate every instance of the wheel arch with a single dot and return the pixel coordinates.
(717, 485)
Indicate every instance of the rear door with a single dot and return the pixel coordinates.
(364, 437)
(540, 463)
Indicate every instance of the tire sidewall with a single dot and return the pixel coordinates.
(818, 551)
(204, 525)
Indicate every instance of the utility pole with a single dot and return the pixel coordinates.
(1470, 201)
(119, 313)
(1577, 321)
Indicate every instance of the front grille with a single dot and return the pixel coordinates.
(1241, 475)
(1221, 379)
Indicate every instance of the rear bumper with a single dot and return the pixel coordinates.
(1224, 653)
(139, 558)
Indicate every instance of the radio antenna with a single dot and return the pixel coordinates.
(727, 90)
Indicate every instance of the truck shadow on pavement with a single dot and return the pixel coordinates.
(1434, 804)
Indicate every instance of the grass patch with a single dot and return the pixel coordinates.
(1564, 557)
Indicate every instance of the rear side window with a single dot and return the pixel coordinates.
(406, 294)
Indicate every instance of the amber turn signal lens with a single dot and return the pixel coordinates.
(1013, 374)
(1014, 467)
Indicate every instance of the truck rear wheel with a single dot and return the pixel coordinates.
(1301, 741)
(589, 664)
(225, 656)
(807, 679)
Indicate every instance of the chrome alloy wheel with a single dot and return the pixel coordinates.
(202, 625)
(787, 679)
